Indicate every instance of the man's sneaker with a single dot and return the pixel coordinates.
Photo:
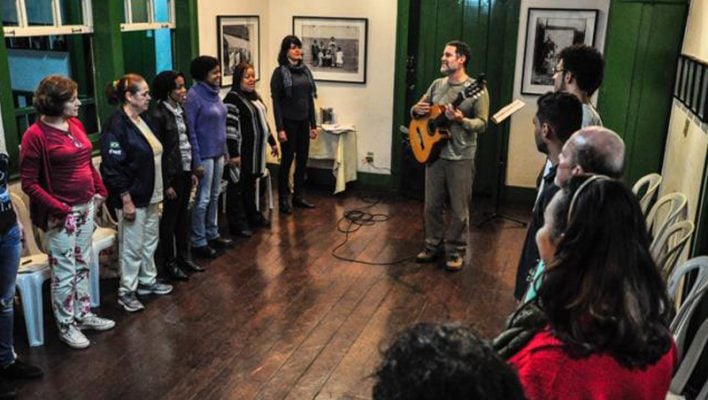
(427, 255)
(130, 303)
(20, 370)
(72, 336)
(96, 323)
(454, 262)
(156, 288)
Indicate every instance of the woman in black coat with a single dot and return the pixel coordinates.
(247, 133)
(169, 89)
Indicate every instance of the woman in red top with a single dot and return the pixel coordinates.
(63, 187)
(603, 306)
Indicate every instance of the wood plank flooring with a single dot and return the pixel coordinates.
(278, 317)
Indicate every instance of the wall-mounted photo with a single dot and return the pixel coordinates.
(238, 40)
(333, 48)
(548, 31)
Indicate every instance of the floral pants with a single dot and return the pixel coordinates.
(69, 249)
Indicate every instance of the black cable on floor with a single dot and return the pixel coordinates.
(353, 220)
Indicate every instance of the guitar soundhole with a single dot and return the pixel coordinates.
(431, 127)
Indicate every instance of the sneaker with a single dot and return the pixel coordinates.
(156, 288)
(427, 255)
(21, 370)
(96, 323)
(454, 262)
(130, 303)
(72, 336)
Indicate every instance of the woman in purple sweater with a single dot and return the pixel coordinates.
(206, 118)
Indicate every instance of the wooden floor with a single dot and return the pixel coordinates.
(279, 317)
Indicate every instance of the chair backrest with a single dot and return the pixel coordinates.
(667, 248)
(649, 185)
(680, 324)
(30, 247)
(669, 209)
(104, 218)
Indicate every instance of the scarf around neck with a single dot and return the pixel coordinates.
(285, 70)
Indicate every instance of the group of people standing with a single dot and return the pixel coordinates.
(153, 161)
(330, 55)
(594, 322)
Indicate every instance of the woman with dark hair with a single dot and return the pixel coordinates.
(64, 187)
(206, 119)
(11, 233)
(293, 90)
(168, 88)
(247, 133)
(600, 328)
(131, 167)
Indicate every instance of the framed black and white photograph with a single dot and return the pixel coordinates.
(334, 48)
(238, 40)
(548, 31)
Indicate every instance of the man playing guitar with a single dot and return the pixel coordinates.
(452, 173)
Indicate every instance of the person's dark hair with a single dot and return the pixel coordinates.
(52, 93)
(116, 90)
(430, 361)
(164, 83)
(285, 46)
(239, 71)
(603, 293)
(586, 65)
(200, 67)
(563, 111)
(461, 49)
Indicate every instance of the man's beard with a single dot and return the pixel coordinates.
(446, 70)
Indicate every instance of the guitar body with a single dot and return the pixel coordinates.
(427, 134)
(425, 137)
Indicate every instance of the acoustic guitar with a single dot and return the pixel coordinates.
(428, 133)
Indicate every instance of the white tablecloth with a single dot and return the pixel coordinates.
(335, 147)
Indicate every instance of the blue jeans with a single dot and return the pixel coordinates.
(205, 225)
(10, 248)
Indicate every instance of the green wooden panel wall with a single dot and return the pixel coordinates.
(108, 50)
(643, 43)
(490, 28)
(139, 54)
(185, 39)
(8, 110)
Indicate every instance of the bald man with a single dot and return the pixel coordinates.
(591, 150)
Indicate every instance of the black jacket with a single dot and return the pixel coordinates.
(165, 129)
(127, 161)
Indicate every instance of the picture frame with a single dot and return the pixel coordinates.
(238, 40)
(335, 49)
(548, 31)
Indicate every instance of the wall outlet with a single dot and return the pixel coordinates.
(369, 157)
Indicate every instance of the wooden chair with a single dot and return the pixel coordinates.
(646, 190)
(33, 272)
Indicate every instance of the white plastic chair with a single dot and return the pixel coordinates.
(269, 190)
(104, 236)
(648, 186)
(669, 209)
(666, 249)
(680, 324)
(33, 272)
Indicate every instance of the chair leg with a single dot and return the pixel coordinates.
(269, 192)
(94, 279)
(30, 287)
(258, 194)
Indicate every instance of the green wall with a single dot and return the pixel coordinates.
(643, 43)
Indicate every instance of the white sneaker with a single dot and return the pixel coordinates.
(72, 336)
(96, 323)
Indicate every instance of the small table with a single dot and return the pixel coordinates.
(335, 148)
